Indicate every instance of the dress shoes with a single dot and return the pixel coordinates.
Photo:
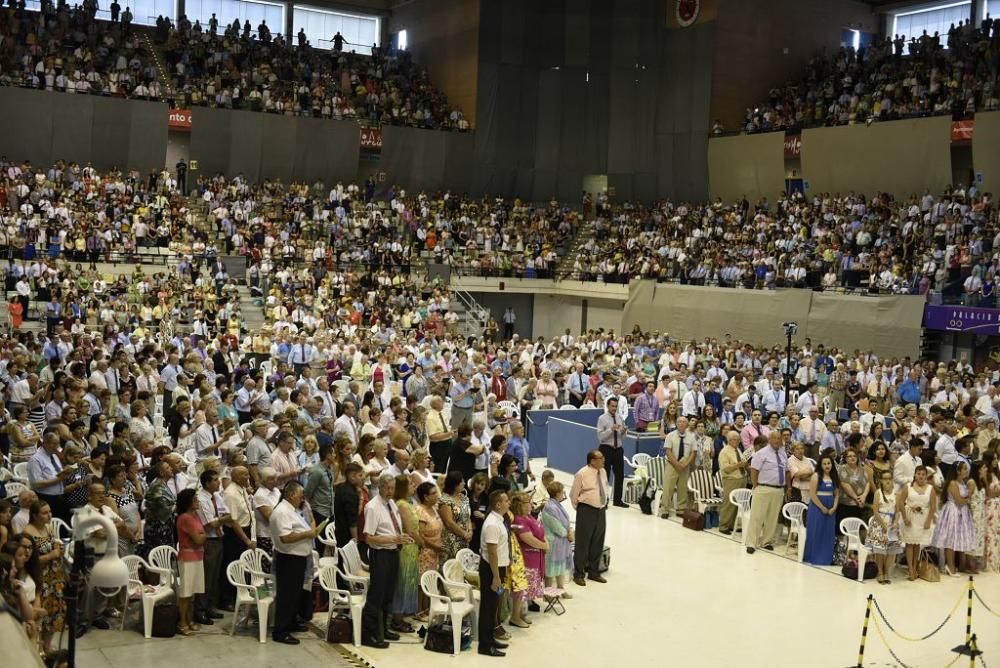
(215, 614)
(621, 504)
(377, 644)
(493, 651)
(751, 550)
(285, 639)
(580, 581)
(769, 547)
(390, 635)
(500, 645)
(597, 578)
(204, 620)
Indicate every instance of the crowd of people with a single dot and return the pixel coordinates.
(70, 49)
(953, 74)
(907, 246)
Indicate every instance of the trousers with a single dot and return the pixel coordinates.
(727, 515)
(590, 528)
(209, 601)
(488, 602)
(383, 569)
(674, 481)
(764, 509)
(614, 463)
(289, 574)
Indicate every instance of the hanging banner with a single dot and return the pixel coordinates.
(962, 319)
(962, 130)
(793, 146)
(179, 119)
(371, 138)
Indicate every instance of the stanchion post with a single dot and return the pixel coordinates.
(968, 616)
(864, 632)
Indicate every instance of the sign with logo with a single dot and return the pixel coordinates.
(793, 146)
(962, 319)
(687, 11)
(962, 130)
(371, 138)
(179, 119)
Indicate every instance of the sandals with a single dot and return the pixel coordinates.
(402, 627)
(184, 631)
(522, 625)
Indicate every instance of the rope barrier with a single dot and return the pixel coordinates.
(878, 628)
(988, 608)
(915, 639)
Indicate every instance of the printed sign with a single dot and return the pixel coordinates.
(793, 146)
(962, 319)
(179, 119)
(962, 130)
(371, 138)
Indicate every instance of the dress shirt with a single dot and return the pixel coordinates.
(495, 532)
(590, 487)
(382, 519)
(771, 466)
(517, 447)
(903, 470)
(647, 408)
(240, 505)
(44, 466)
(606, 434)
(693, 403)
(204, 437)
(209, 511)
(301, 353)
(812, 430)
(286, 520)
(730, 457)
(283, 462)
(258, 452)
(262, 498)
(945, 448)
(676, 439)
(578, 382)
(807, 400)
(346, 425)
(750, 432)
(169, 378)
(833, 440)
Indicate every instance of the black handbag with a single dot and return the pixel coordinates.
(439, 638)
(340, 630)
(165, 619)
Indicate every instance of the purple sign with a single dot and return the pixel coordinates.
(962, 319)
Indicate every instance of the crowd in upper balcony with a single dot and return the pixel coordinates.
(953, 74)
(227, 66)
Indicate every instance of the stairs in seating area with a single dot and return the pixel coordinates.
(162, 75)
(253, 315)
(584, 233)
(472, 317)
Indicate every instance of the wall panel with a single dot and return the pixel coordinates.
(750, 165)
(986, 150)
(899, 157)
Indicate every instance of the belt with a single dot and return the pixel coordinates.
(761, 484)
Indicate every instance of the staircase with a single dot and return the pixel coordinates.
(253, 314)
(162, 76)
(472, 317)
(584, 233)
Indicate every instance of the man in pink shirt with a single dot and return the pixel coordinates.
(753, 430)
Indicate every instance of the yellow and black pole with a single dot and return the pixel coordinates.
(968, 616)
(864, 632)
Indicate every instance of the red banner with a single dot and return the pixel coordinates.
(793, 146)
(371, 138)
(962, 130)
(179, 119)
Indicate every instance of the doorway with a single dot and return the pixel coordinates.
(594, 184)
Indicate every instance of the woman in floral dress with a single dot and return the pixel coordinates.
(50, 553)
(456, 515)
(431, 529)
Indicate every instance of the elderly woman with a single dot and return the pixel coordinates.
(24, 438)
(559, 536)
(158, 528)
(455, 514)
(531, 539)
(140, 427)
(547, 391)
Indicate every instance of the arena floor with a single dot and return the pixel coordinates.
(673, 595)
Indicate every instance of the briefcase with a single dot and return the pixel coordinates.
(605, 562)
(694, 520)
(340, 630)
(166, 616)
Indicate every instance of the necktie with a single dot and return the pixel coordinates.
(680, 438)
(392, 516)
(614, 428)
(600, 487)
(781, 470)
(812, 432)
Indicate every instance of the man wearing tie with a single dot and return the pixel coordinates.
(47, 476)
(610, 433)
(681, 450)
(578, 385)
(300, 356)
(768, 469)
(807, 399)
(214, 517)
(589, 496)
(813, 430)
(385, 537)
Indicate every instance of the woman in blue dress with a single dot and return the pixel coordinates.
(821, 520)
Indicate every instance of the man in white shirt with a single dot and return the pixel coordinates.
(345, 424)
(906, 464)
(384, 535)
(265, 499)
(808, 399)
(494, 548)
(214, 516)
(293, 539)
(693, 402)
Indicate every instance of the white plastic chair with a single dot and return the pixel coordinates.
(351, 560)
(190, 457)
(163, 558)
(351, 600)
(792, 511)
(851, 527)
(148, 595)
(567, 407)
(21, 471)
(329, 539)
(469, 561)
(443, 606)
(248, 594)
(254, 563)
(14, 489)
(457, 588)
(741, 499)
(60, 528)
(510, 408)
(267, 368)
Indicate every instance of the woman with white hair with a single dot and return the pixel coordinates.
(265, 499)
(547, 391)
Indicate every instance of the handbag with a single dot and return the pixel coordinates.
(340, 630)
(166, 616)
(439, 638)
(694, 520)
(927, 569)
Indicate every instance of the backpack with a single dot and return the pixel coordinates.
(646, 496)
